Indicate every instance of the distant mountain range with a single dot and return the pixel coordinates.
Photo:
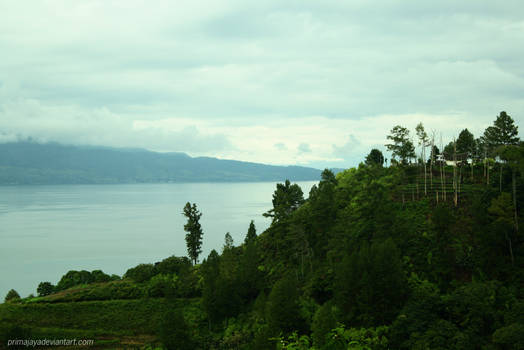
(53, 163)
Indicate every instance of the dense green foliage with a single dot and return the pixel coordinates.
(11, 296)
(74, 278)
(375, 157)
(194, 231)
(45, 288)
(402, 147)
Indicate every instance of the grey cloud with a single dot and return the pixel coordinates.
(304, 148)
(71, 125)
(280, 146)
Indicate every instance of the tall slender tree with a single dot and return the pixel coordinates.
(194, 231)
(228, 242)
(251, 235)
(423, 142)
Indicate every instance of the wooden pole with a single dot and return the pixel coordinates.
(455, 198)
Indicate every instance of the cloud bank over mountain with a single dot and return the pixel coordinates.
(295, 82)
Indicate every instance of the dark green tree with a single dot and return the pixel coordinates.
(139, 273)
(328, 176)
(370, 285)
(194, 231)
(250, 278)
(99, 276)
(434, 152)
(375, 157)
(12, 295)
(174, 332)
(286, 199)
(466, 143)
(220, 293)
(45, 288)
(402, 146)
(324, 322)
(502, 211)
(210, 272)
(503, 132)
(228, 242)
(449, 150)
(251, 233)
(74, 278)
(282, 308)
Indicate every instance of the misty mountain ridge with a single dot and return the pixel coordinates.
(28, 162)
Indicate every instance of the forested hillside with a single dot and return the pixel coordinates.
(415, 255)
(51, 163)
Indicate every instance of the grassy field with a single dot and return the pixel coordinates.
(114, 324)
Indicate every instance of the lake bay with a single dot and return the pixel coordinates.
(46, 231)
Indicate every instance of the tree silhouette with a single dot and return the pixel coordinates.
(251, 233)
(194, 231)
(286, 199)
(375, 157)
(402, 146)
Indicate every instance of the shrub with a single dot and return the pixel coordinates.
(173, 264)
(323, 322)
(99, 276)
(12, 296)
(45, 288)
(162, 285)
(174, 331)
(140, 273)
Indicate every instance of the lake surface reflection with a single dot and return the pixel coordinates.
(46, 231)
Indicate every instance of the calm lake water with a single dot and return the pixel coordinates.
(46, 231)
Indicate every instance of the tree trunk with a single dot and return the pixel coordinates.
(510, 246)
(487, 170)
(425, 181)
(432, 155)
(514, 190)
(455, 195)
(485, 160)
(500, 178)
(442, 181)
(459, 182)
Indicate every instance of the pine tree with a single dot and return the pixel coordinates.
(283, 309)
(12, 295)
(194, 231)
(286, 199)
(375, 157)
(466, 143)
(228, 242)
(251, 233)
(503, 132)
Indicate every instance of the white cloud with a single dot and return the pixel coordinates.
(240, 80)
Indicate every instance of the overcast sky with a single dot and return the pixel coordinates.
(314, 83)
